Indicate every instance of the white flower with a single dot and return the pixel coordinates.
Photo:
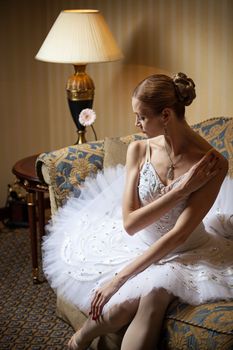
(87, 117)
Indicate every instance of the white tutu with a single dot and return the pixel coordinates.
(219, 219)
(86, 245)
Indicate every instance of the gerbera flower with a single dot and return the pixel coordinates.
(87, 117)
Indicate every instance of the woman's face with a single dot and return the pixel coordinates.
(149, 124)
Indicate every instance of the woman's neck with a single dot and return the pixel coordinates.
(178, 137)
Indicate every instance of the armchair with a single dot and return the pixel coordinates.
(207, 326)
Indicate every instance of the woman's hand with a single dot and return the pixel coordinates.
(202, 172)
(102, 296)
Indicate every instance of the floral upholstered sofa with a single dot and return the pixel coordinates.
(208, 326)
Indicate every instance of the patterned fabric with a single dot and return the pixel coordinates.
(205, 327)
(69, 166)
(219, 133)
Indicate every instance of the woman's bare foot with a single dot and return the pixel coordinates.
(75, 342)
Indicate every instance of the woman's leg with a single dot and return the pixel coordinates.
(113, 320)
(144, 330)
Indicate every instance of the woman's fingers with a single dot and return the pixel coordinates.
(206, 160)
(102, 296)
(206, 164)
(207, 157)
(96, 308)
(202, 172)
(212, 166)
(94, 302)
(97, 305)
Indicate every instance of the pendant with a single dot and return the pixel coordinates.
(170, 172)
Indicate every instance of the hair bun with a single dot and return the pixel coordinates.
(185, 88)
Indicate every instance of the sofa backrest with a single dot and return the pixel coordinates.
(64, 170)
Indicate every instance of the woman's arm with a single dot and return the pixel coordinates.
(191, 216)
(197, 207)
(135, 217)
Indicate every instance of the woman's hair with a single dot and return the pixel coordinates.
(160, 91)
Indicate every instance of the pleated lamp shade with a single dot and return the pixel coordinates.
(79, 37)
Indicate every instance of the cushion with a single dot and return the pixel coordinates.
(114, 152)
(207, 326)
(68, 167)
(219, 133)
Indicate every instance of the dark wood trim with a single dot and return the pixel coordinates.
(4, 213)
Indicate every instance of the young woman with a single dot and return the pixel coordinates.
(124, 264)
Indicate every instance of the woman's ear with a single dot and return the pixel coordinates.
(166, 114)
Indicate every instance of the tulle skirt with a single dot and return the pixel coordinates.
(86, 245)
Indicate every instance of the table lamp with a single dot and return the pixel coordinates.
(79, 37)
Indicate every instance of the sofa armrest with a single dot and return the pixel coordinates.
(45, 174)
(65, 169)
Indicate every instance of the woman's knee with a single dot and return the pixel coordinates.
(156, 302)
(123, 313)
(160, 295)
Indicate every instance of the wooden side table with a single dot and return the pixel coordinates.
(25, 172)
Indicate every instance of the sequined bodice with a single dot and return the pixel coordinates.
(151, 187)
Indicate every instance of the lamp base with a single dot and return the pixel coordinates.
(76, 107)
(80, 94)
(81, 137)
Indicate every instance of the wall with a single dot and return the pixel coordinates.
(193, 36)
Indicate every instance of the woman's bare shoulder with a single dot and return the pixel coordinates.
(137, 147)
(136, 153)
(203, 147)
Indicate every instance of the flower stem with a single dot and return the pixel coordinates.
(94, 132)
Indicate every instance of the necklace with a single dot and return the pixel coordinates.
(171, 168)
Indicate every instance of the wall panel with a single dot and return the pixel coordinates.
(194, 36)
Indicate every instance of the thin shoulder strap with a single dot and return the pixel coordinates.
(148, 151)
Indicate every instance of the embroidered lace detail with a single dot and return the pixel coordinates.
(151, 188)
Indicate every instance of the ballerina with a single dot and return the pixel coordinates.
(124, 263)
